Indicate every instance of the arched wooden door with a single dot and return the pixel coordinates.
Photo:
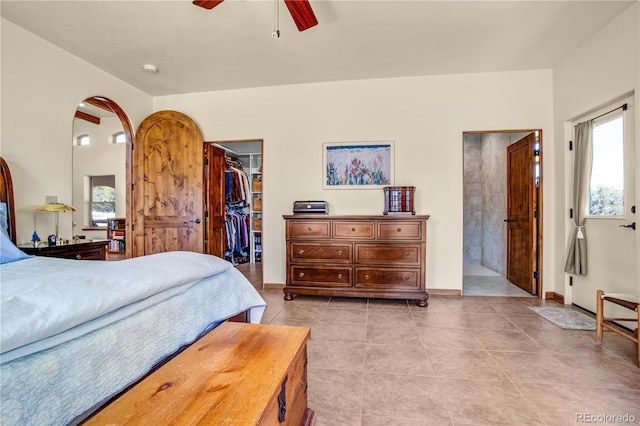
(167, 185)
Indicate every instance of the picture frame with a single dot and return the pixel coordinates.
(357, 165)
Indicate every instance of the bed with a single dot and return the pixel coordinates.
(77, 333)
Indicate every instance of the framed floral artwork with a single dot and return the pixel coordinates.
(357, 165)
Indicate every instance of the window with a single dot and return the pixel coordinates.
(83, 140)
(102, 204)
(119, 138)
(606, 188)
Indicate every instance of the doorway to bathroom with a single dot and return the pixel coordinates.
(503, 213)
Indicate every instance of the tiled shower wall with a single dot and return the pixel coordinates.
(472, 199)
(494, 200)
(485, 198)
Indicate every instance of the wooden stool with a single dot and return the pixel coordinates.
(628, 301)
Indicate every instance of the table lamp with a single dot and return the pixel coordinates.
(56, 208)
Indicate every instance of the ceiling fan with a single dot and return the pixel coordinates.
(300, 11)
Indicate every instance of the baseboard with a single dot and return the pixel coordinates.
(556, 297)
(272, 286)
(443, 292)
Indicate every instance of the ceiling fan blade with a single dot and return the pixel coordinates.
(302, 14)
(207, 4)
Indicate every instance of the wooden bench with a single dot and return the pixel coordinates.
(238, 374)
(628, 301)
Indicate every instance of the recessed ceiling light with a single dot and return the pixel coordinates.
(152, 69)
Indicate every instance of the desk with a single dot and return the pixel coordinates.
(89, 250)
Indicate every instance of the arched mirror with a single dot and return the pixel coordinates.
(102, 134)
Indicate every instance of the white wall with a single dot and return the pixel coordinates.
(425, 116)
(601, 70)
(42, 86)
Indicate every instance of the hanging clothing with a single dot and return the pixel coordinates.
(236, 183)
(237, 226)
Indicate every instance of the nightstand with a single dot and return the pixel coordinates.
(90, 250)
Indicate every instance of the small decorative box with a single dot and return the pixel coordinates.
(398, 199)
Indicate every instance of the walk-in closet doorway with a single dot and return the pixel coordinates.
(502, 213)
(239, 212)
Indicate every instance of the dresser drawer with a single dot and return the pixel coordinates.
(91, 254)
(315, 252)
(388, 254)
(93, 250)
(354, 230)
(388, 278)
(309, 229)
(319, 276)
(399, 231)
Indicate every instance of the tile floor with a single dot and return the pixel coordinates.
(460, 361)
(481, 281)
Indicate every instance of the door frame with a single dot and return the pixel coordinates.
(221, 145)
(539, 227)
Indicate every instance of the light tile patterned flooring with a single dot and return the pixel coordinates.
(482, 281)
(460, 361)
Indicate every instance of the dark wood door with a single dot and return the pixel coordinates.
(522, 196)
(214, 194)
(167, 178)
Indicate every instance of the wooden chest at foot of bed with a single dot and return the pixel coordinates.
(238, 374)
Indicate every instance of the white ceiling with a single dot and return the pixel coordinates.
(231, 46)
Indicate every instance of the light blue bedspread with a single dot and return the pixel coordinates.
(42, 297)
(57, 385)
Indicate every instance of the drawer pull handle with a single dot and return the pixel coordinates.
(301, 252)
(301, 274)
(309, 229)
(407, 254)
(339, 275)
(353, 229)
(366, 277)
(407, 277)
(339, 252)
(78, 256)
(366, 253)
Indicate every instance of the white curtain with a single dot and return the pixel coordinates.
(577, 256)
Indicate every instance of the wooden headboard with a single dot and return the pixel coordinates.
(6, 196)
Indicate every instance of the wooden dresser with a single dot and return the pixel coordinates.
(356, 256)
(90, 250)
(238, 374)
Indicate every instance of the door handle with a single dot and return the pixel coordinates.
(509, 220)
(632, 226)
(196, 221)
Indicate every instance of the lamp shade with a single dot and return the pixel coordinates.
(55, 207)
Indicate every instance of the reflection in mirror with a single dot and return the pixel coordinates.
(101, 137)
